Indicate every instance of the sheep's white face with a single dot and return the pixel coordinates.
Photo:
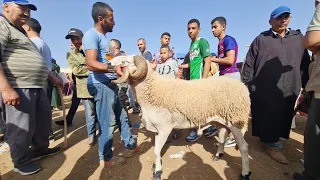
(128, 61)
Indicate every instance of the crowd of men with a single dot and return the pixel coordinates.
(275, 70)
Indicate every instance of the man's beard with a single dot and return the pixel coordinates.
(107, 29)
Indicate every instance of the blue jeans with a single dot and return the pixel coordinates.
(110, 113)
(276, 145)
(131, 98)
(91, 116)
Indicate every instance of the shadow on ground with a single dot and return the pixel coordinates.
(51, 164)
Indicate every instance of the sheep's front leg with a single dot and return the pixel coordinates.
(223, 134)
(160, 140)
(243, 147)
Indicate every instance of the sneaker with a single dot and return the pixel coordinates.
(27, 169)
(277, 155)
(51, 139)
(91, 140)
(193, 136)
(230, 142)
(4, 148)
(114, 161)
(61, 123)
(48, 152)
(211, 131)
(129, 153)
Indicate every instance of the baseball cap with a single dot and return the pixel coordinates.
(74, 32)
(280, 10)
(22, 2)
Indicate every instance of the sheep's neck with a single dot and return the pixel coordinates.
(142, 89)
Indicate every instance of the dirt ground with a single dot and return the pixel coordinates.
(80, 162)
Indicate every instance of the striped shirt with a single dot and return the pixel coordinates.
(21, 61)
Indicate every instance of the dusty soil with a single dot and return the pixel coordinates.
(80, 162)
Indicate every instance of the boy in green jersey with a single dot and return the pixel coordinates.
(199, 65)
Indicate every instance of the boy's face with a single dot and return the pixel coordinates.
(165, 40)
(193, 30)
(164, 54)
(217, 28)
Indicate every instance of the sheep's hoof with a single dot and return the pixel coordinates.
(157, 175)
(246, 177)
(217, 158)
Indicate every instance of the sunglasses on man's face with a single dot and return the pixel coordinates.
(283, 16)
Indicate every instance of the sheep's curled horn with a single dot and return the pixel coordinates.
(142, 69)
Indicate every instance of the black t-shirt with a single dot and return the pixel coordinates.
(186, 71)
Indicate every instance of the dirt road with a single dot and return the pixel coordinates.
(80, 162)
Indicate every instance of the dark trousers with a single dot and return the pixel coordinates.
(2, 116)
(48, 87)
(29, 124)
(312, 141)
(74, 106)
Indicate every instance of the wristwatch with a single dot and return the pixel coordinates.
(111, 68)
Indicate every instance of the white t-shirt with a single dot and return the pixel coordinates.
(168, 68)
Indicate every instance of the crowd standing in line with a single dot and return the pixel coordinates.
(27, 81)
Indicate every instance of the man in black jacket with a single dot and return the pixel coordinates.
(275, 69)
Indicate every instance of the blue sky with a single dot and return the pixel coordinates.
(150, 18)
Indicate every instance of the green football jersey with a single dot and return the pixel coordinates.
(199, 50)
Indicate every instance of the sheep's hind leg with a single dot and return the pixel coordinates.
(243, 147)
(160, 140)
(223, 134)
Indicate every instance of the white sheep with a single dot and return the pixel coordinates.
(173, 103)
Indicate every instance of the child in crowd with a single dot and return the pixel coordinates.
(166, 67)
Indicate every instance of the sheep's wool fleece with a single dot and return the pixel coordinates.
(198, 100)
